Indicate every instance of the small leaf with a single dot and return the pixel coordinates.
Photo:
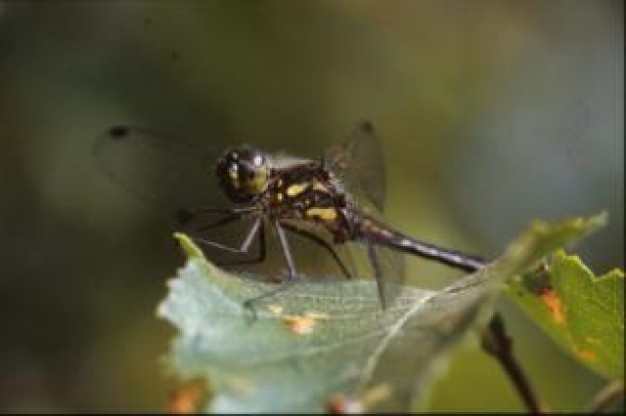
(582, 312)
(321, 346)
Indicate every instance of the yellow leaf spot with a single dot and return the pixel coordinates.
(585, 355)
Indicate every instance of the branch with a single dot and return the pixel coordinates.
(496, 343)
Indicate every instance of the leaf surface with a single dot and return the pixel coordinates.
(322, 346)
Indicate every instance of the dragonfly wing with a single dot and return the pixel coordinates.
(286, 161)
(157, 168)
(359, 165)
(392, 272)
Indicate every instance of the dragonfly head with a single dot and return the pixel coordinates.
(243, 173)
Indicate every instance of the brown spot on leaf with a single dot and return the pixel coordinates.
(303, 324)
(339, 404)
(300, 325)
(187, 398)
(539, 284)
(553, 302)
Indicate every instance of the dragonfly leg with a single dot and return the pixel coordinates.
(231, 216)
(286, 250)
(322, 243)
(258, 228)
(261, 253)
(291, 277)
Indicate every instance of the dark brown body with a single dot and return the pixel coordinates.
(309, 192)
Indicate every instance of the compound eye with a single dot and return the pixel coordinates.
(233, 170)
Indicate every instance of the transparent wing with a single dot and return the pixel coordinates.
(359, 165)
(283, 160)
(155, 167)
(390, 263)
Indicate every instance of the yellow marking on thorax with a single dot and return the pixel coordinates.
(318, 186)
(327, 214)
(297, 189)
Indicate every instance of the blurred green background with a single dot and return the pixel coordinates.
(492, 113)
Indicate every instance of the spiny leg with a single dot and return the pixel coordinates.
(286, 250)
(257, 228)
(231, 215)
(321, 242)
(261, 253)
(291, 277)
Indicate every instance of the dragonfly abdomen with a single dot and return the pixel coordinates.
(378, 233)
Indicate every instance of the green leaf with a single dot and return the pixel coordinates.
(329, 346)
(582, 312)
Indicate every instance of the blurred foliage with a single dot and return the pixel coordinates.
(491, 112)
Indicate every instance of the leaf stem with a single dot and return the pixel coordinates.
(498, 344)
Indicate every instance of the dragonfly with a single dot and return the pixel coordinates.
(332, 201)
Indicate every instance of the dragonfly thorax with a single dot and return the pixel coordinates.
(243, 173)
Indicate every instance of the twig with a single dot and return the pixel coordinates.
(607, 396)
(495, 342)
